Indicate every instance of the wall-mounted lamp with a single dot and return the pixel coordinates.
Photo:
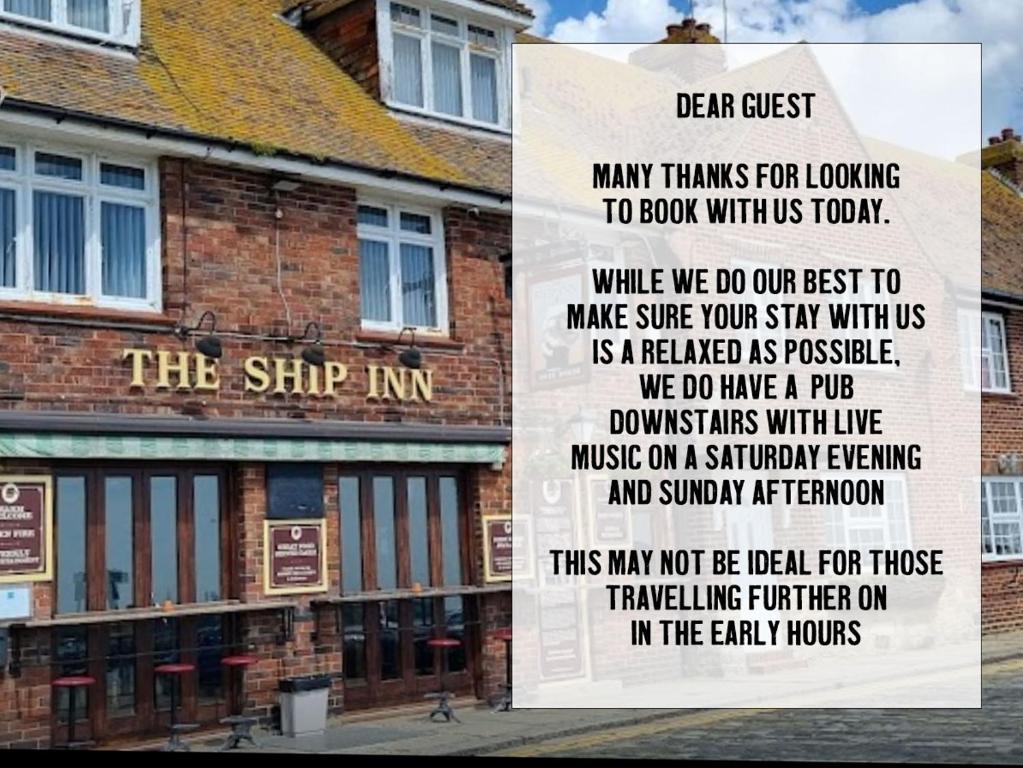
(208, 345)
(582, 426)
(411, 357)
(314, 354)
(285, 185)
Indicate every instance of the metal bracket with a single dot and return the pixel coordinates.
(10, 651)
(287, 626)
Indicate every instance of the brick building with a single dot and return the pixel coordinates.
(255, 335)
(1001, 333)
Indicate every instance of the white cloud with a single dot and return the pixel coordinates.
(996, 23)
(628, 21)
(541, 13)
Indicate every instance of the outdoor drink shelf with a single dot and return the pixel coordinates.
(286, 608)
(337, 601)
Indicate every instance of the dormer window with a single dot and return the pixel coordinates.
(444, 64)
(115, 21)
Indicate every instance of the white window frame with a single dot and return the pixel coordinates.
(974, 326)
(1016, 516)
(393, 235)
(501, 54)
(123, 21)
(24, 181)
(850, 523)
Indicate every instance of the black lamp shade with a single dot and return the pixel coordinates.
(210, 346)
(315, 355)
(411, 358)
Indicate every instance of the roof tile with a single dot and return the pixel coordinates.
(236, 72)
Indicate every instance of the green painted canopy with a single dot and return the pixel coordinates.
(166, 447)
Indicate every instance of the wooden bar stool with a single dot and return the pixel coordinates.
(443, 695)
(504, 704)
(174, 672)
(71, 683)
(241, 724)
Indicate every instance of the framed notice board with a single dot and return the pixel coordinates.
(26, 528)
(294, 557)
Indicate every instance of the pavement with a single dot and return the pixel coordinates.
(990, 734)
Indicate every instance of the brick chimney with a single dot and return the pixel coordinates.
(1004, 153)
(708, 61)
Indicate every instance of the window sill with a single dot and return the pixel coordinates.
(1008, 562)
(423, 340)
(443, 120)
(997, 394)
(30, 310)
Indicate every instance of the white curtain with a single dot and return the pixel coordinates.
(417, 289)
(59, 223)
(90, 14)
(123, 233)
(484, 88)
(7, 235)
(374, 272)
(408, 70)
(447, 79)
(36, 9)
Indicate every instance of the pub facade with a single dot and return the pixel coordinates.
(254, 379)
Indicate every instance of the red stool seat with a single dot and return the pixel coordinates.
(239, 661)
(178, 668)
(70, 683)
(73, 681)
(504, 635)
(443, 642)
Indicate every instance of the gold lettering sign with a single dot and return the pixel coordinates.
(182, 371)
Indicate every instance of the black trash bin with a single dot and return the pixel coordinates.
(304, 704)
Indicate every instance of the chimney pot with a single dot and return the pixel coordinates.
(1007, 133)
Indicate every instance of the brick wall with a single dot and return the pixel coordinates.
(221, 241)
(1002, 415)
(349, 36)
(221, 244)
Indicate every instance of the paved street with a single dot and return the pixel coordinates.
(993, 734)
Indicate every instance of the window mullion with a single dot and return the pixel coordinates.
(986, 501)
(396, 303)
(426, 57)
(93, 247)
(466, 79)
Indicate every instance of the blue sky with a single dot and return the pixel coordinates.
(998, 24)
(561, 9)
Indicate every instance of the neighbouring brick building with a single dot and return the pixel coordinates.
(255, 338)
(1001, 372)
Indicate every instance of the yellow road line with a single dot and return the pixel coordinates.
(590, 740)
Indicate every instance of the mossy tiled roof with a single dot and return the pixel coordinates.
(235, 72)
(1001, 238)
